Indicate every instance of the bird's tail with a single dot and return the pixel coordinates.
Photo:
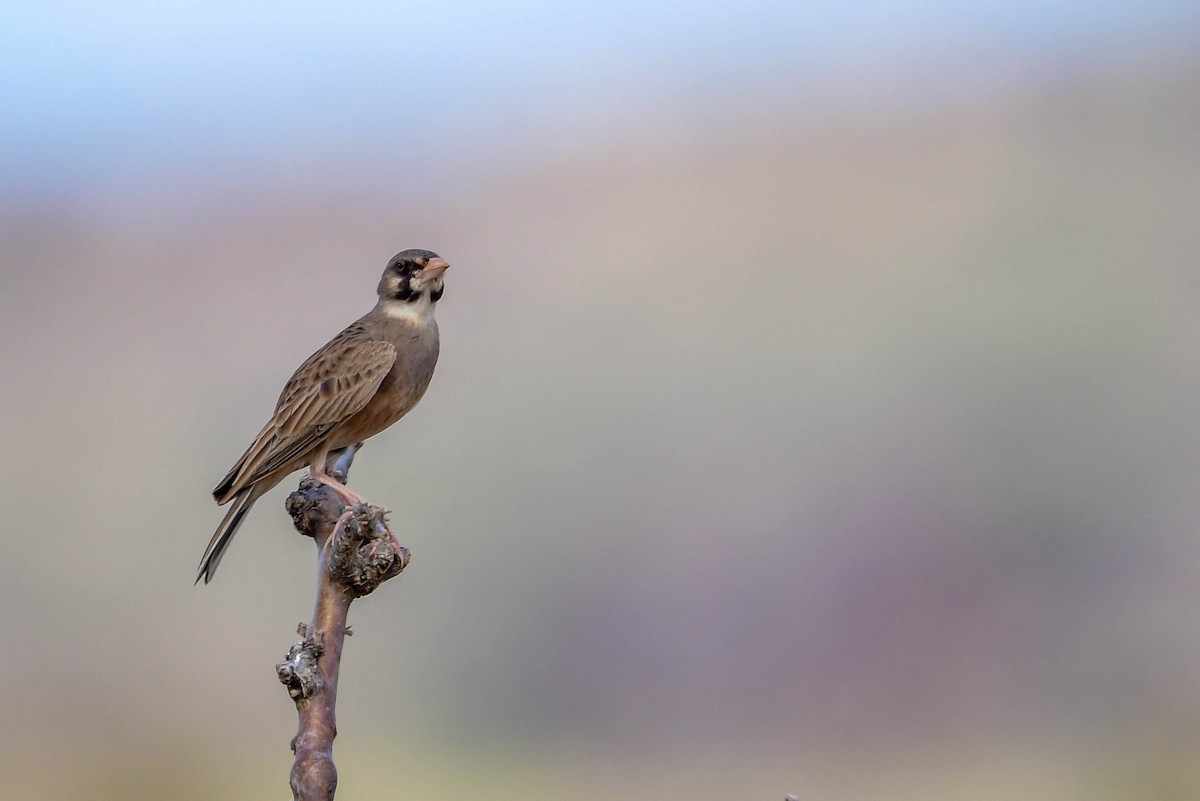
(242, 502)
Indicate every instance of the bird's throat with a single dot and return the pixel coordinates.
(418, 309)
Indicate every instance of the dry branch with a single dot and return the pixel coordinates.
(356, 553)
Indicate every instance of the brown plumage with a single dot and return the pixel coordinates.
(366, 378)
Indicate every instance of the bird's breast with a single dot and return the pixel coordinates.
(405, 384)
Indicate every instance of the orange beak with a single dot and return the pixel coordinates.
(434, 268)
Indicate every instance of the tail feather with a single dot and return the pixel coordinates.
(242, 503)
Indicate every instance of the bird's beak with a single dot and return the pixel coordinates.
(434, 268)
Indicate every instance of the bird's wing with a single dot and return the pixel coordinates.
(331, 386)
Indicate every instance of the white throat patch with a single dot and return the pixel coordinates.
(419, 310)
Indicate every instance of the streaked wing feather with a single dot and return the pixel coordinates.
(287, 450)
(331, 386)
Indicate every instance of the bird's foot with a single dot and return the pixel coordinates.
(341, 522)
(348, 496)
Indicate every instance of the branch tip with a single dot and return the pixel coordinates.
(356, 553)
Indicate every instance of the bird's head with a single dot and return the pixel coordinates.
(412, 282)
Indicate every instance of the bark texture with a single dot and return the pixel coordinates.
(356, 553)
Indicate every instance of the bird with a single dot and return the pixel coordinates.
(362, 381)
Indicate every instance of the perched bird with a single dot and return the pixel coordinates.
(362, 381)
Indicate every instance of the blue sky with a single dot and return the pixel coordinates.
(119, 85)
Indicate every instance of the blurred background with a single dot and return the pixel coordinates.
(816, 411)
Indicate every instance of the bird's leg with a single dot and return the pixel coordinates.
(337, 464)
(341, 490)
